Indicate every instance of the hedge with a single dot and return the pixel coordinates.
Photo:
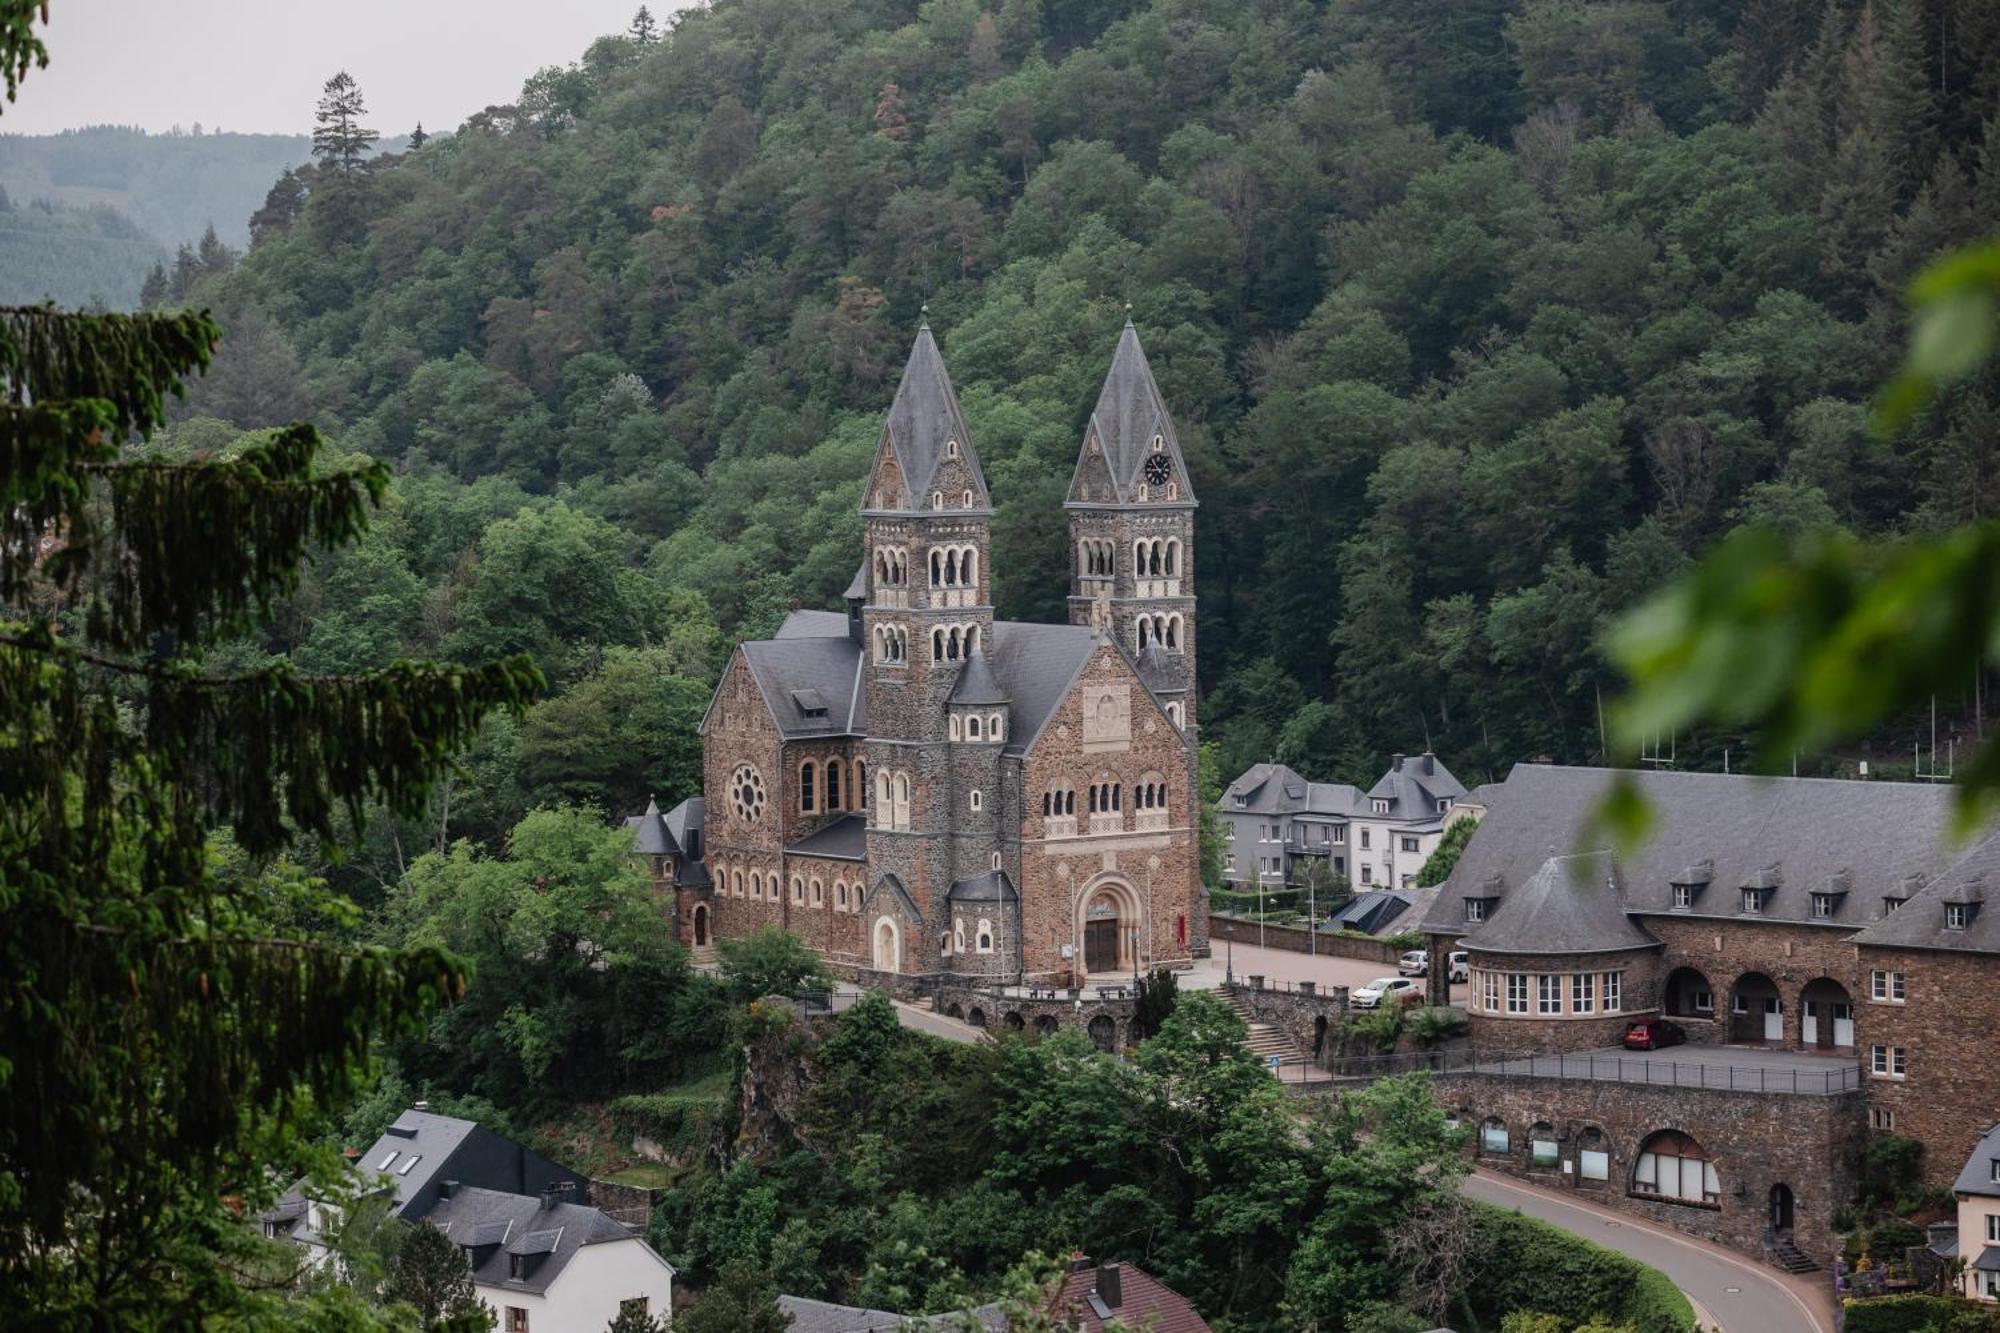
(1920, 1314)
(1535, 1266)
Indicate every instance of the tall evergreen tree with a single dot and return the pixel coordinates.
(153, 294)
(432, 1274)
(340, 141)
(644, 31)
(418, 138)
(160, 1036)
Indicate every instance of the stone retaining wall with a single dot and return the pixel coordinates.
(1000, 1013)
(1297, 939)
(1755, 1140)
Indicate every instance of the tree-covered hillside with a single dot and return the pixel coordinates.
(74, 256)
(1479, 317)
(173, 186)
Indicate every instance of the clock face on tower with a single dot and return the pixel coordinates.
(1159, 468)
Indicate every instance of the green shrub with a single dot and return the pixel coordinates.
(1887, 1240)
(1381, 1027)
(1920, 1314)
(1434, 1024)
(1404, 941)
(1536, 1267)
(1891, 1166)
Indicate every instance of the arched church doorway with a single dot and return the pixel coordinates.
(1110, 928)
(700, 925)
(888, 946)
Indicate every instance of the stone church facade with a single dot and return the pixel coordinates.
(916, 788)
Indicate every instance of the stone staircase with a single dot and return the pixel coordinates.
(1788, 1257)
(1264, 1040)
(704, 955)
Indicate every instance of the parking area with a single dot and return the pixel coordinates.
(1281, 966)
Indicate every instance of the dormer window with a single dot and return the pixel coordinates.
(1822, 906)
(517, 1268)
(1475, 911)
(1240, 798)
(1379, 805)
(1891, 902)
(1753, 901)
(1443, 806)
(1683, 897)
(1957, 916)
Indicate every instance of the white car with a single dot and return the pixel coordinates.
(1460, 967)
(1414, 963)
(1370, 996)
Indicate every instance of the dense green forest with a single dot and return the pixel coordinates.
(75, 256)
(1479, 321)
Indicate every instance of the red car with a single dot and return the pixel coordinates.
(1649, 1034)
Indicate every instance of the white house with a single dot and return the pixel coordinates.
(1978, 1192)
(1379, 839)
(546, 1265)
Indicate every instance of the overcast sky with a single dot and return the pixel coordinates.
(257, 65)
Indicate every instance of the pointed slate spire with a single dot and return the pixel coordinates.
(1129, 425)
(924, 425)
(976, 682)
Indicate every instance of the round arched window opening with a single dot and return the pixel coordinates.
(1675, 1167)
(746, 793)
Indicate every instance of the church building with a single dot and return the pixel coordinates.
(916, 788)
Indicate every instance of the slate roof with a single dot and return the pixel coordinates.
(1036, 665)
(796, 662)
(1976, 1177)
(857, 587)
(1973, 879)
(1413, 786)
(845, 839)
(650, 833)
(1274, 789)
(1571, 904)
(685, 822)
(1130, 414)
(810, 1316)
(976, 683)
(924, 417)
(1145, 1303)
(1370, 912)
(495, 1226)
(1799, 835)
(991, 887)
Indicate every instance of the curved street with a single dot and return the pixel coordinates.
(1730, 1292)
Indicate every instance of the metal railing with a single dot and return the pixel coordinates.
(1648, 1070)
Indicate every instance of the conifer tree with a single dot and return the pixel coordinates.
(644, 31)
(418, 138)
(432, 1274)
(287, 198)
(154, 293)
(339, 139)
(160, 1038)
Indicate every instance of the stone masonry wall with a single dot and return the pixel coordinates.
(1724, 950)
(1295, 939)
(740, 732)
(1511, 1034)
(1945, 1025)
(1756, 1141)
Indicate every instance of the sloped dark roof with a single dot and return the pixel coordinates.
(1371, 912)
(1155, 670)
(1919, 923)
(685, 822)
(429, 1149)
(888, 883)
(1130, 415)
(1976, 1176)
(857, 587)
(976, 682)
(845, 839)
(650, 834)
(1415, 784)
(806, 624)
(810, 1316)
(551, 1234)
(1144, 1302)
(798, 665)
(1035, 665)
(991, 887)
(1818, 833)
(1570, 905)
(924, 417)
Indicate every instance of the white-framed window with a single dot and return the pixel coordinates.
(977, 800)
(1886, 987)
(1881, 1117)
(1491, 985)
(1683, 897)
(1377, 806)
(1703, 1002)
(1229, 860)
(1368, 874)
(1593, 1164)
(1583, 993)
(1888, 1062)
(1822, 906)
(1517, 992)
(1890, 903)
(1475, 911)
(1542, 1148)
(818, 894)
(1674, 1166)
(1994, 1163)
(1409, 844)
(1493, 1136)
(1549, 993)
(984, 938)
(996, 860)
(1993, 1228)
(1753, 902)
(1614, 992)
(1364, 839)
(1957, 916)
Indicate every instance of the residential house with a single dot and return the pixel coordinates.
(1274, 821)
(1089, 1296)
(1978, 1193)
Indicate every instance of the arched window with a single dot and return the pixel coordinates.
(1673, 1166)
(1145, 631)
(902, 786)
(818, 893)
(973, 727)
(1493, 1138)
(977, 799)
(996, 860)
(958, 936)
(985, 937)
(967, 500)
(993, 727)
(1173, 635)
(860, 787)
(952, 726)
(798, 889)
(1048, 802)
(885, 804)
(807, 776)
(1173, 558)
(832, 785)
(951, 448)
(736, 889)
(937, 499)
(840, 895)
(1175, 714)
(1593, 1157)
(1542, 1148)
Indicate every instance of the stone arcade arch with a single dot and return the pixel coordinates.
(1045, 1024)
(1104, 1032)
(1826, 1015)
(1688, 994)
(1673, 1165)
(1756, 1010)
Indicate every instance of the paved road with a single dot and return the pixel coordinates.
(1729, 1291)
